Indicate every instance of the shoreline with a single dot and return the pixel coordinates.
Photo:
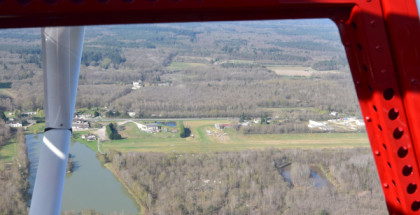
(140, 206)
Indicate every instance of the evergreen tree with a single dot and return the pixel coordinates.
(181, 130)
(2, 116)
(242, 117)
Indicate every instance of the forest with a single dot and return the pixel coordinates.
(195, 70)
(253, 182)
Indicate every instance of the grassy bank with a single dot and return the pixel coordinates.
(136, 199)
(8, 151)
(36, 128)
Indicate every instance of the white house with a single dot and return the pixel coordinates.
(136, 85)
(333, 113)
(90, 137)
(15, 125)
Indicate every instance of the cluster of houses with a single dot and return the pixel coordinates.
(11, 122)
(79, 120)
(32, 113)
(83, 116)
(14, 124)
(139, 84)
(80, 123)
(222, 126)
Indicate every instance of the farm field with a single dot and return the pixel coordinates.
(206, 138)
(286, 70)
(183, 65)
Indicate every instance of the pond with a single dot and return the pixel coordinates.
(317, 180)
(90, 186)
(169, 124)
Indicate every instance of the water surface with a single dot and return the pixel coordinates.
(317, 180)
(90, 186)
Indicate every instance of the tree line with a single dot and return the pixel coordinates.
(13, 176)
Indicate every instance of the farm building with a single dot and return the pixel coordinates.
(137, 85)
(80, 125)
(153, 127)
(222, 125)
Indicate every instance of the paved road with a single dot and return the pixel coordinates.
(153, 119)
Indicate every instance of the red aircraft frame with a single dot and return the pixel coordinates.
(380, 39)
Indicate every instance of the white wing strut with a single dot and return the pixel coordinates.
(61, 53)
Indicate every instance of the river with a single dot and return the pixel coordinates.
(90, 186)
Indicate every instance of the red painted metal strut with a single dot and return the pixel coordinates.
(381, 38)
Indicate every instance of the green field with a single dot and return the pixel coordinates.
(291, 70)
(8, 151)
(37, 128)
(226, 140)
(242, 61)
(183, 65)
